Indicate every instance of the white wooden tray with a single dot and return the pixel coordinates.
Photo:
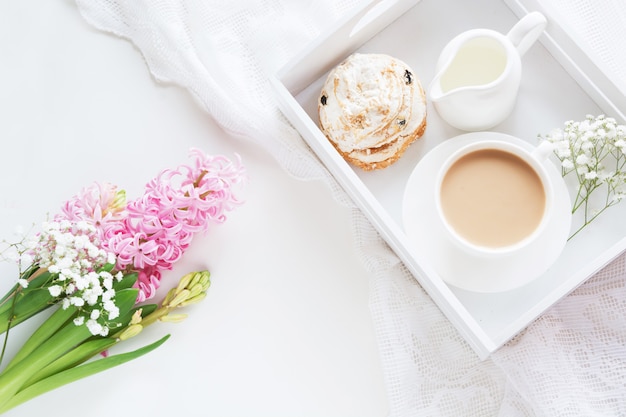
(560, 82)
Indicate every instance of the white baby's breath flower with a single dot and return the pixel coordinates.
(587, 146)
(108, 295)
(594, 151)
(606, 176)
(94, 252)
(94, 327)
(22, 283)
(59, 251)
(582, 170)
(90, 298)
(582, 159)
(591, 175)
(567, 164)
(80, 283)
(83, 226)
(112, 310)
(107, 281)
(109, 305)
(110, 258)
(55, 290)
(72, 252)
(562, 149)
(77, 301)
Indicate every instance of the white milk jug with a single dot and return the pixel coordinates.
(478, 74)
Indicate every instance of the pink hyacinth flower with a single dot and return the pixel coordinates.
(149, 234)
(100, 204)
(176, 204)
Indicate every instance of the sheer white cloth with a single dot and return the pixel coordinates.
(599, 27)
(570, 362)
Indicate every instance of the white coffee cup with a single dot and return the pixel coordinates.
(494, 197)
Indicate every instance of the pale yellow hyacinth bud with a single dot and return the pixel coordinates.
(200, 278)
(169, 296)
(173, 318)
(196, 289)
(193, 300)
(131, 331)
(179, 298)
(185, 281)
(189, 287)
(136, 318)
(119, 203)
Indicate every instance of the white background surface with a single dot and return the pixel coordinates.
(285, 329)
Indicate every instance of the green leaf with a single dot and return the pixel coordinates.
(66, 338)
(37, 278)
(57, 320)
(126, 282)
(25, 275)
(147, 309)
(20, 304)
(125, 300)
(74, 357)
(124, 319)
(74, 374)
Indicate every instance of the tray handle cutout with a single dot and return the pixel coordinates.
(327, 51)
(373, 12)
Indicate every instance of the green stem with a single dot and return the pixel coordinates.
(582, 199)
(576, 203)
(154, 316)
(27, 302)
(58, 344)
(6, 334)
(30, 274)
(13, 313)
(57, 320)
(12, 380)
(74, 357)
(588, 221)
(76, 373)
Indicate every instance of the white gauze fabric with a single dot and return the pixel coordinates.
(598, 26)
(570, 362)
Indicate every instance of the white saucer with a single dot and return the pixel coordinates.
(457, 267)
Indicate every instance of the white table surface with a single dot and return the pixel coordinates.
(285, 329)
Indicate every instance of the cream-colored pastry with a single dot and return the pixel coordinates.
(371, 108)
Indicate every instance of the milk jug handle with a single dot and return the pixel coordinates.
(527, 31)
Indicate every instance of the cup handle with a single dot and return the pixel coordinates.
(527, 31)
(543, 151)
